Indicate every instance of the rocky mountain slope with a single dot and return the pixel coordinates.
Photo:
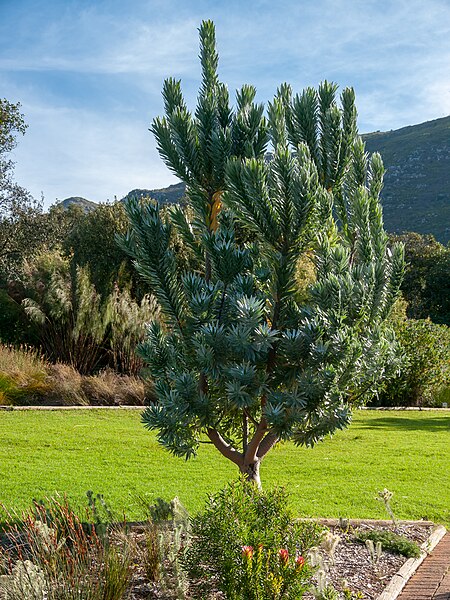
(416, 194)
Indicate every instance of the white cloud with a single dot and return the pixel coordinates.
(395, 53)
(70, 152)
(99, 44)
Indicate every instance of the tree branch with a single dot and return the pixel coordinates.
(267, 444)
(226, 449)
(251, 453)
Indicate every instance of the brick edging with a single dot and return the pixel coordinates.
(404, 574)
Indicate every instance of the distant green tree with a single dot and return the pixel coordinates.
(91, 242)
(20, 213)
(426, 285)
(236, 357)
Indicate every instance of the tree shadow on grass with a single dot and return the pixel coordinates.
(409, 424)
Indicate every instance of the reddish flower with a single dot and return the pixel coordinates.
(284, 555)
(299, 561)
(247, 552)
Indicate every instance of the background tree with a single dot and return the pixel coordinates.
(425, 376)
(236, 357)
(20, 213)
(91, 241)
(426, 285)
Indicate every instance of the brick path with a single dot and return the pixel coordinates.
(431, 581)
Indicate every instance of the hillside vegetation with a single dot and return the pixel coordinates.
(416, 194)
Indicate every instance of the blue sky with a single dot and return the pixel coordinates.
(89, 73)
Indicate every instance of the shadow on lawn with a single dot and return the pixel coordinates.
(409, 424)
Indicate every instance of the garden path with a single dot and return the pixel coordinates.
(431, 581)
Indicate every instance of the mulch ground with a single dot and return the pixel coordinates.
(350, 568)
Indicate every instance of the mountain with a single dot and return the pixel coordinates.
(169, 195)
(416, 194)
(86, 205)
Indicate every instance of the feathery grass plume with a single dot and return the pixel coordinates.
(127, 320)
(79, 329)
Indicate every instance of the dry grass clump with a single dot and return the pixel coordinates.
(65, 386)
(23, 375)
(28, 379)
(109, 389)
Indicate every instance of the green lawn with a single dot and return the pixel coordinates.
(111, 453)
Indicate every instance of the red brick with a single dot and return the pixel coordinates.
(432, 579)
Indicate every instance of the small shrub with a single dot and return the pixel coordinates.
(247, 543)
(390, 541)
(151, 556)
(425, 376)
(167, 535)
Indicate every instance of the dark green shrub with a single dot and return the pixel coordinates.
(426, 285)
(425, 376)
(15, 328)
(91, 243)
(246, 542)
(390, 541)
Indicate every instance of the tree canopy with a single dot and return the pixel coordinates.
(20, 213)
(236, 356)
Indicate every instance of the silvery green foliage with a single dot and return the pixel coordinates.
(236, 356)
(27, 580)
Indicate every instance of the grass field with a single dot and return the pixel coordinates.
(111, 453)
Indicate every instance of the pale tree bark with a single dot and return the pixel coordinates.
(249, 462)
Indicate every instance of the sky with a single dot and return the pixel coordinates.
(89, 74)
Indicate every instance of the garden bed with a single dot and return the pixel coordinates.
(349, 567)
(352, 568)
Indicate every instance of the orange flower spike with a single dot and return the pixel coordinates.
(284, 556)
(247, 552)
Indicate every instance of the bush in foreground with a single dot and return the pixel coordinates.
(247, 544)
(54, 555)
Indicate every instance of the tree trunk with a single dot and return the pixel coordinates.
(251, 472)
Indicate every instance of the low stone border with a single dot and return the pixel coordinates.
(140, 407)
(400, 579)
(78, 407)
(355, 522)
(402, 408)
